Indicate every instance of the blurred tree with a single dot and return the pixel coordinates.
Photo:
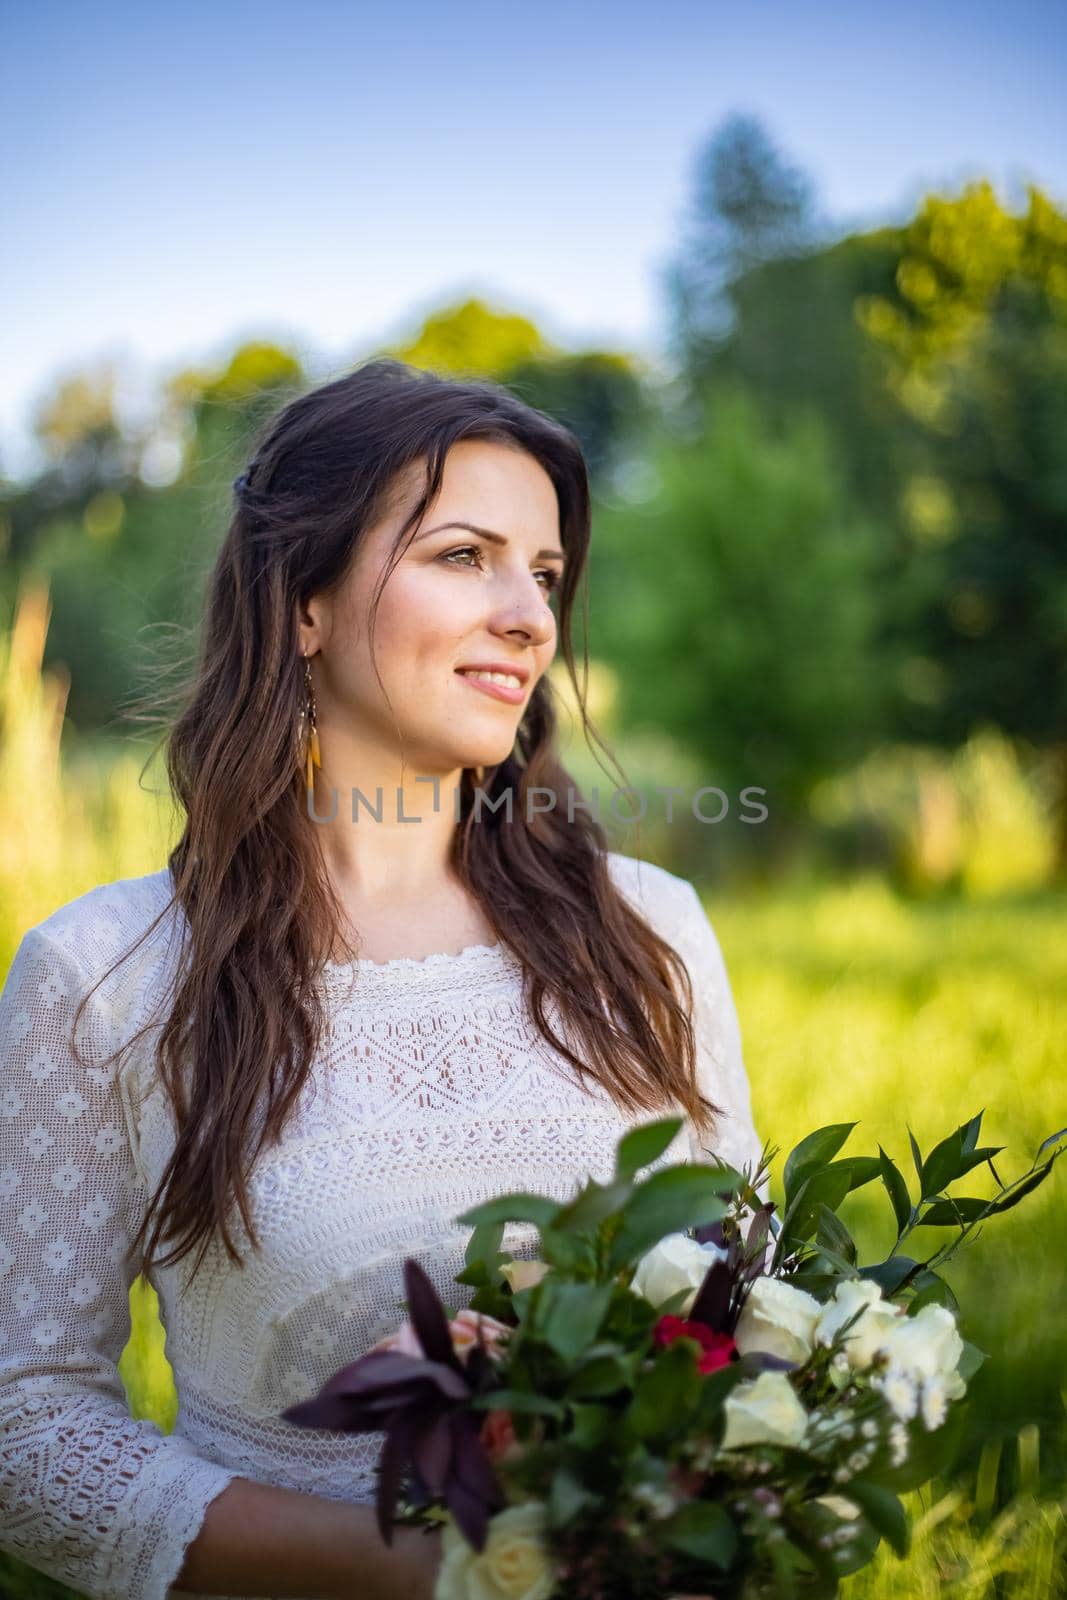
(748, 207)
(471, 339)
(936, 354)
(602, 396)
(122, 548)
(738, 602)
(976, 328)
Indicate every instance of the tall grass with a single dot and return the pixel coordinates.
(855, 1004)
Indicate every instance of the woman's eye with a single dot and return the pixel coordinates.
(472, 549)
(468, 549)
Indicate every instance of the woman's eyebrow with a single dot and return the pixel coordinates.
(487, 533)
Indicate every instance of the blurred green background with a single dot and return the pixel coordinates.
(829, 562)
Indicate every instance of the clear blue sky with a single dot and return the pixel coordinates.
(175, 178)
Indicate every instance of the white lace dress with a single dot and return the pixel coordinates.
(432, 1092)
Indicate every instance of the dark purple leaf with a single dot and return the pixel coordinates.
(432, 1452)
(474, 1491)
(399, 1434)
(383, 1370)
(712, 1303)
(336, 1412)
(763, 1361)
(471, 1459)
(756, 1242)
(469, 1511)
(710, 1233)
(428, 1316)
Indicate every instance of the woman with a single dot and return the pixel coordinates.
(365, 995)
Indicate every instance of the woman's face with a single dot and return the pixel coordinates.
(456, 599)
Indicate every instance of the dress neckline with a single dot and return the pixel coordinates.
(405, 975)
(435, 959)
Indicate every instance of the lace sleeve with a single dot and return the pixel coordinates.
(721, 1074)
(104, 1503)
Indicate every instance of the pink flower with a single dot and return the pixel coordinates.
(464, 1329)
(405, 1340)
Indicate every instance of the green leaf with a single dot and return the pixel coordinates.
(861, 1170)
(891, 1274)
(590, 1424)
(813, 1152)
(570, 1315)
(1053, 1138)
(517, 1400)
(941, 1165)
(883, 1511)
(520, 1207)
(974, 1158)
(643, 1145)
(664, 1397)
(477, 1275)
(842, 1268)
(604, 1374)
(567, 1252)
(969, 1132)
(484, 1243)
(917, 1158)
(702, 1530)
(1025, 1186)
(953, 1211)
(568, 1497)
(896, 1189)
(824, 1186)
(930, 1289)
(832, 1234)
(595, 1202)
(670, 1201)
(969, 1361)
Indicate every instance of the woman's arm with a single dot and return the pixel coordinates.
(88, 1495)
(261, 1540)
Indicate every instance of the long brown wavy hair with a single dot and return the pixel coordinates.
(260, 917)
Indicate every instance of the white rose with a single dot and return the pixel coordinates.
(521, 1274)
(869, 1333)
(928, 1345)
(515, 1564)
(764, 1411)
(676, 1263)
(778, 1319)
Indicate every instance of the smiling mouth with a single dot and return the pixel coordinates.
(498, 686)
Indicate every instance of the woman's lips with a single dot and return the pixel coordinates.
(498, 691)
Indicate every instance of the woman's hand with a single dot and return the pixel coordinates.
(420, 1550)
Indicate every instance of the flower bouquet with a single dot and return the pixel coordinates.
(683, 1393)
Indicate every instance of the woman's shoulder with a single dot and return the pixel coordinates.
(651, 889)
(96, 927)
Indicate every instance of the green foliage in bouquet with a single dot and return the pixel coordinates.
(605, 1418)
(682, 1393)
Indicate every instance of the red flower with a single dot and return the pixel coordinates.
(718, 1349)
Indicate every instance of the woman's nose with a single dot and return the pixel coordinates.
(528, 612)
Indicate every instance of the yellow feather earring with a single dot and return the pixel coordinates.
(313, 755)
